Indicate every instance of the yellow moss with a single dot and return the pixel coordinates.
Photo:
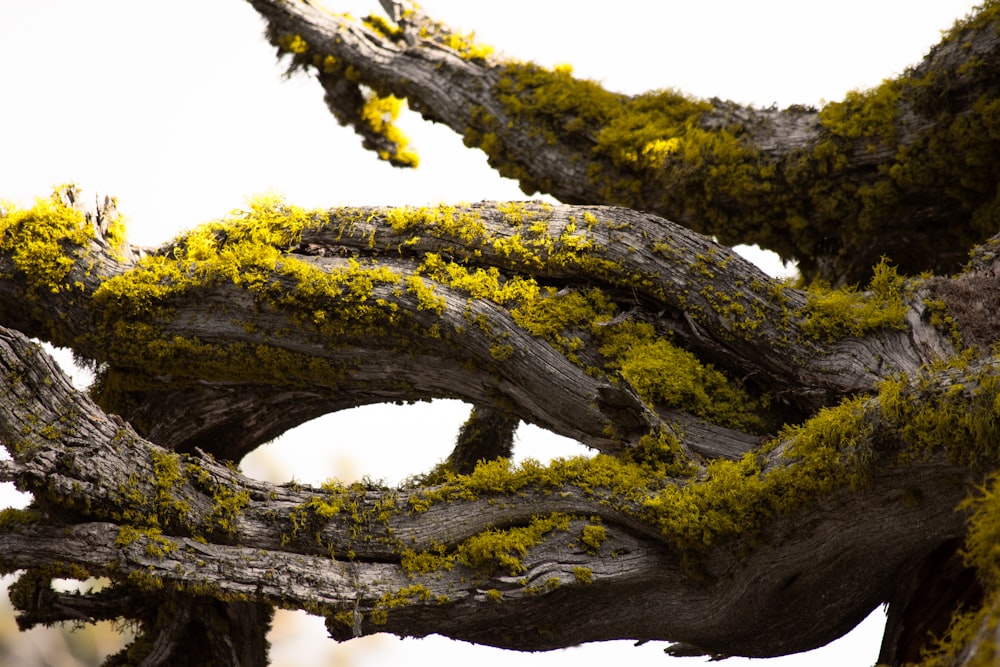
(505, 548)
(584, 575)
(380, 25)
(664, 374)
(45, 241)
(157, 546)
(441, 221)
(961, 417)
(11, 518)
(379, 113)
(293, 44)
(833, 314)
(733, 498)
(401, 598)
(593, 537)
(426, 298)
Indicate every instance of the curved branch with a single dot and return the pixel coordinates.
(420, 560)
(906, 170)
(549, 305)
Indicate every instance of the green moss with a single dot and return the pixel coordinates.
(584, 575)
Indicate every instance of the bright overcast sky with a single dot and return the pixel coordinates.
(179, 109)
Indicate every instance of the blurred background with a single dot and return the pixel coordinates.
(180, 110)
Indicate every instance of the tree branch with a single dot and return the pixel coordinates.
(420, 560)
(906, 170)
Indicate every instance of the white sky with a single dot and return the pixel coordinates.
(179, 110)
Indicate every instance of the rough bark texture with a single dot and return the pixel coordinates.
(907, 166)
(774, 462)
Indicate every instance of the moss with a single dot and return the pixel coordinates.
(504, 549)
(293, 43)
(870, 114)
(730, 499)
(383, 27)
(401, 598)
(583, 575)
(547, 586)
(157, 546)
(975, 627)
(249, 250)
(959, 414)
(564, 318)
(737, 498)
(465, 45)
(494, 595)
(983, 535)
(942, 320)
(593, 537)
(319, 510)
(45, 243)
(441, 221)
(963, 629)
(11, 518)
(227, 504)
(379, 114)
(833, 314)
(663, 374)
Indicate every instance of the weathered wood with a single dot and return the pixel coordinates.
(779, 462)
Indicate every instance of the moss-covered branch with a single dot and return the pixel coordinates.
(673, 356)
(602, 324)
(906, 170)
(417, 559)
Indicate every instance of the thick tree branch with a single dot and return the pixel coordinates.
(907, 170)
(773, 463)
(549, 303)
(415, 561)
